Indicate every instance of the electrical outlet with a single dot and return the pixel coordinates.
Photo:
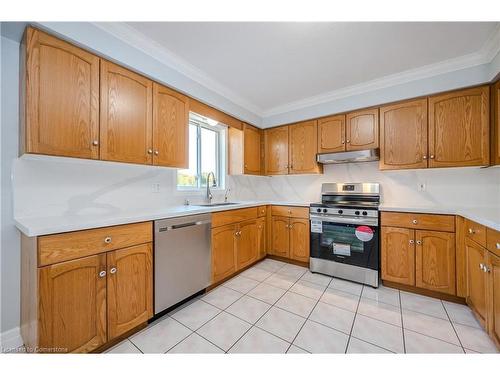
(422, 186)
(155, 188)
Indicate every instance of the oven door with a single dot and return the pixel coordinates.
(350, 243)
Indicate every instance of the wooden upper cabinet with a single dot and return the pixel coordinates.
(459, 128)
(476, 279)
(362, 129)
(251, 150)
(61, 111)
(435, 261)
(126, 115)
(170, 127)
(223, 252)
(495, 123)
(247, 249)
(494, 296)
(72, 304)
(130, 288)
(276, 150)
(331, 134)
(280, 236)
(398, 255)
(299, 239)
(403, 135)
(303, 147)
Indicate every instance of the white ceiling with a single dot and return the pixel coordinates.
(272, 65)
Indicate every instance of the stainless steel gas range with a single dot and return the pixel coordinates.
(345, 232)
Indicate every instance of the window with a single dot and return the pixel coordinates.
(206, 154)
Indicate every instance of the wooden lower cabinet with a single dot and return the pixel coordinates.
(299, 239)
(72, 305)
(280, 238)
(494, 297)
(247, 250)
(435, 261)
(398, 255)
(476, 279)
(130, 288)
(223, 252)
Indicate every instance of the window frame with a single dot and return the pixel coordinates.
(221, 135)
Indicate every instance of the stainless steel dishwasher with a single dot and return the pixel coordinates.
(182, 259)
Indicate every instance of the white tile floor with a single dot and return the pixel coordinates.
(275, 307)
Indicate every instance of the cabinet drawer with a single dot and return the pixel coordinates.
(475, 232)
(262, 211)
(57, 248)
(290, 211)
(493, 241)
(233, 216)
(443, 223)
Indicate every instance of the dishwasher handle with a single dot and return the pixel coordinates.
(183, 225)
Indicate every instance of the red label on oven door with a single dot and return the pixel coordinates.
(364, 233)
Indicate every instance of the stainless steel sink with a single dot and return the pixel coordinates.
(215, 204)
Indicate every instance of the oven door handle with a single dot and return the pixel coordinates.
(345, 220)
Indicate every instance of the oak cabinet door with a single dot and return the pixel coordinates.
(126, 115)
(280, 236)
(252, 150)
(276, 150)
(261, 235)
(476, 279)
(435, 261)
(403, 135)
(331, 134)
(62, 91)
(170, 127)
(494, 296)
(73, 304)
(130, 288)
(299, 239)
(495, 123)
(398, 255)
(362, 129)
(223, 252)
(303, 147)
(459, 128)
(247, 249)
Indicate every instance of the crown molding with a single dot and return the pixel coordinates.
(135, 38)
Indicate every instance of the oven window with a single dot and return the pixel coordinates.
(338, 235)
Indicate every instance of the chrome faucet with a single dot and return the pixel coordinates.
(209, 194)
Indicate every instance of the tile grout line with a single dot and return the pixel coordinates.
(453, 326)
(354, 320)
(402, 322)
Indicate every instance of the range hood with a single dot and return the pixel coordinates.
(348, 156)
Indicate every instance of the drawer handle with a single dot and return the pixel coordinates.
(471, 231)
(107, 240)
(112, 270)
(414, 221)
(102, 274)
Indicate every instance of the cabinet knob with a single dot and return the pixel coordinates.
(150, 151)
(414, 221)
(419, 242)
(156, 152)
(412, 242)
(102, 274)
(471, 231)
(348, 141)
(481, 266)
(107, 240)
(112, 270)
(95, 143)
(432, 156)
(424, 157)
(498, 245)
(343, 142)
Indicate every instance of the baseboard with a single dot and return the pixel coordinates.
(10, 340)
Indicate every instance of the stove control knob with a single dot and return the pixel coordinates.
(325, 210)
(318, 210)
(340, 212)
(356, 213)
(365, 213)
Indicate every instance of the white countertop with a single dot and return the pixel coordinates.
(487, 216)
(37, 226)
